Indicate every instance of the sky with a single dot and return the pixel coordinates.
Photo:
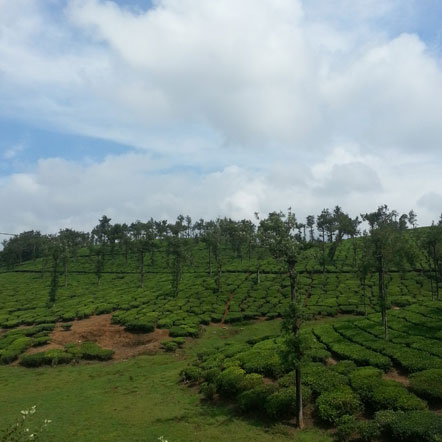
(155, 108)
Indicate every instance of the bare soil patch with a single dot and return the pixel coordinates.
(99, 329)
(331, 361)
(394, 375)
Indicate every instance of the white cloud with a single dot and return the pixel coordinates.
(274, 104)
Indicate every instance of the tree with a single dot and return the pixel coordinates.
(310, 222)
(70, 241)
(387, 248)
(432, 243)
(343, 225)
(177, 248)
(101, 232)
(412, 218)
(323, 223)
(277, 232)
(294, 350)
(55, 248)
(145, 244)
(364, 267)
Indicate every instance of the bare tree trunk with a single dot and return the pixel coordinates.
(292, 277)
(65, 273)
(299, 411)
(142, 268)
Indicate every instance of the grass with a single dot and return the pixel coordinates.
(137, 400)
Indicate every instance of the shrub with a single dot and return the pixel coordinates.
(344, 367)
(368, 431)
(230, 381)
(263, 361)
(208, 390)
(254, 400)
(190, 374)
(428, 384)
(169, 346)
(139, 326)
(183, 331)
(321, 379)
(347, 427)
(413, 426)
(394, 396)
(66, 326)
(92, 351)
(332, 405)
(281, 404)
(50, 357)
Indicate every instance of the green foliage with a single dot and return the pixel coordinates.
(255, 400)
(231, 382)
(190, 374)
(412, 426)
(332, 405)
(321, 379)
(427, 384)
(281, 404)
(382, 394)
(347, 427)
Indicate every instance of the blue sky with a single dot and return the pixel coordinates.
(223, 108)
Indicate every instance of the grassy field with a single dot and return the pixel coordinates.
(137, 400)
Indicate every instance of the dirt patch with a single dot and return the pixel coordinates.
(226, 311)
(394, 375)
(99, 329)
(331, 361)
(395, 307)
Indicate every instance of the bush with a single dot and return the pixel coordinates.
(254, 400)
(230, 382)
(381, 394)
(50, 357)
(413, 426)
(281, 404)
(368, 431)
(321, 379)
(66, 326)
(92, 351)
(169, 346)
(183, 331)
(208, 390)
(138, 326)
(344, 367)
(428, 384)
(347, 427)
(264, 361)
(394, 396)
(332, 405)
(190, 374)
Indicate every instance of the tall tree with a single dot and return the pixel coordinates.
(432, 243)
(278, 233)
(177, 248)
(310, 222)
(389, 248)
(70, 242)
(145, 244)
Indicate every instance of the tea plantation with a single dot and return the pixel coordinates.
(356, 384)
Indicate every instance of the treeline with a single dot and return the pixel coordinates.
(380, 250)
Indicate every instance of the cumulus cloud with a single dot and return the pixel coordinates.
(60, 193)
(256, 73)
(241, 107)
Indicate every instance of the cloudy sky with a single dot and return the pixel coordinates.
(138, 108)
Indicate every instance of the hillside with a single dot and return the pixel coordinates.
(226, 340)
